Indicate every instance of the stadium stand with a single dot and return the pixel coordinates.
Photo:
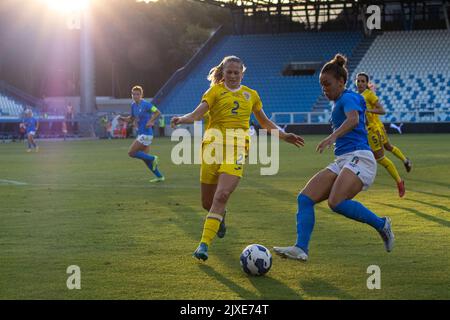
(9, 107)
(265, 56)
(414, 83)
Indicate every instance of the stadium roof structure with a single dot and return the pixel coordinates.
(314, 13)
(253, 3)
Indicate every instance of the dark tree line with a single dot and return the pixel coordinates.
(134, 43)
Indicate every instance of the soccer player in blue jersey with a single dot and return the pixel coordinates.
(31, 126)
(143, 115)
(353, 170)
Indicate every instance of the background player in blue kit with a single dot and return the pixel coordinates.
(31, 126)
(143, 115)
(353, 170)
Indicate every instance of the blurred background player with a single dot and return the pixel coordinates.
(161, 125)
(377, 136)
(145, 114)
(64, 130)
(31, 126)
(22, 131)
(229, 105)
(353, 170)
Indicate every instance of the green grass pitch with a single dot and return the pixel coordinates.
(86, 203)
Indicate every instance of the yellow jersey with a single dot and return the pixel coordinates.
(372, 119)
(230, 109)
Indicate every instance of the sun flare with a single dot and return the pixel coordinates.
(66, 6)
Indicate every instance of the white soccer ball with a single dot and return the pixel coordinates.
(256, 260)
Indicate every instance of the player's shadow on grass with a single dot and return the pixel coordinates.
(319, 288)
(417, 191)
(441, 184)
(447, 209)
(268, 288)
(428, 217)
(191, 222)
(274, 192)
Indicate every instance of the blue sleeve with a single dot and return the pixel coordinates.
(132, 111)
(351, 103)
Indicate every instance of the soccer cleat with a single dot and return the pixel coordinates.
(408, 165)
(158, 179)
(222, 228)
(36, 149)
(28, 150)
(155, 163)
(387, 235)
(201, 252)
(401, 188)
(292, 252)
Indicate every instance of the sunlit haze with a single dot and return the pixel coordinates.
(66, 6)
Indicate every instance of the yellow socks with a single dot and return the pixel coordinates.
(211, 227)
(398, 153)
(390, 167)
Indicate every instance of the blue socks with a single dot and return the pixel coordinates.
(156, 171)
(32, 145)
(305, 221)
(148, 159)
(348, 208)
(143, 156)
(356, 211)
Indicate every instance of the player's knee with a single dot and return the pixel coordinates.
(304, 201)
(206, 204)
(388, 147)
(222, 196)
(333, 203)
(378, 155)
(131, 154)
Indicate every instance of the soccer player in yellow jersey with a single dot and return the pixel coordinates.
(377, 136)
(229, 105)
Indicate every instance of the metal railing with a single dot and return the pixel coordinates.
(396, 116)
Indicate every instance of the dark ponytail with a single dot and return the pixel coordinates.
(337, 67)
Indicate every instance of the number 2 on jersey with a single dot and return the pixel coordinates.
(236, 106)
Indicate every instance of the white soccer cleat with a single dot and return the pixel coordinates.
(387, 235)
(292, 252)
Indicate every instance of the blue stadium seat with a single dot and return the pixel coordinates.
(265, 56)
(410, 78)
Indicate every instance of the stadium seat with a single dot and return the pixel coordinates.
(418, 78)
(265, 56)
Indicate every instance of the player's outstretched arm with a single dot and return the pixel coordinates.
(267, 124)
(195, 115)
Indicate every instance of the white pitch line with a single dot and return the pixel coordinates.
(16, 183)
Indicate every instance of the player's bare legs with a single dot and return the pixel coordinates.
(391, 169)
(319, 186)
(399, 154)
(135, 147)
(208, 191)
(226, 185)
(316, 190)
(345, 188)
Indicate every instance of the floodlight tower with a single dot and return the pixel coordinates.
(87, 64)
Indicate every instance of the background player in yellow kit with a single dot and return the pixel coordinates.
(377, 136)
(229, 105)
